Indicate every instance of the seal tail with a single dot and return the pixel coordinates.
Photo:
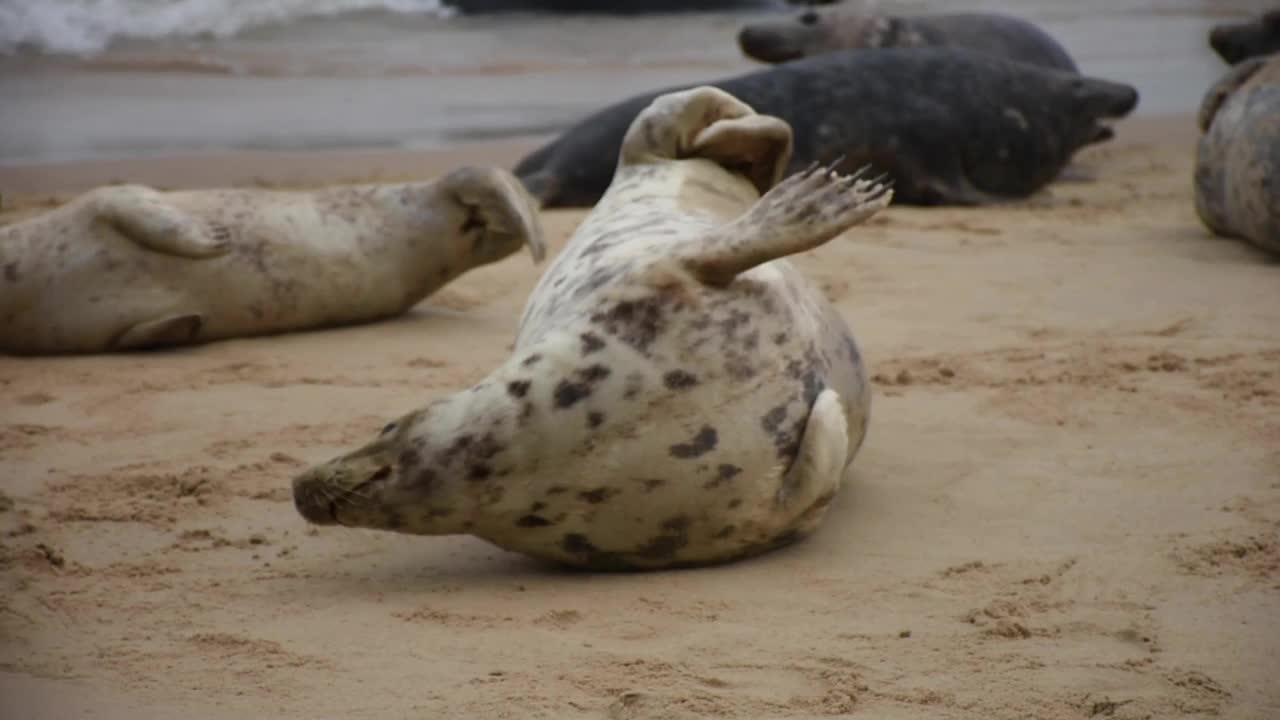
(499, 207)
(802, 212)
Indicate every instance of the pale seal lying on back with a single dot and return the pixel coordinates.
(678, 395)
(1237, 42)
(1237, 173)
(128, 267)
(815, 32)
(974, 128)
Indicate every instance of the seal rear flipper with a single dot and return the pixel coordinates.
(802, 212)
(811, 482)
(500, 209)
(163, 332)
(145, 217)
(709, 123)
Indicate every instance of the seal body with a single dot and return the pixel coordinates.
(817, 32)
(128, 267)
(1237, 171)
(1237, 42)
(972, 129)
(678, 394)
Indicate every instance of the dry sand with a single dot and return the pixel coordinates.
(1068, 505)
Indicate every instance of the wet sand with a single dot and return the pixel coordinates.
(1068, 505)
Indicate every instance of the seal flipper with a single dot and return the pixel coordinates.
(818, 470)
(162, 332)
(802, 212)
(142, 215)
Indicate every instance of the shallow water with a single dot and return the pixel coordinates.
(380, 79)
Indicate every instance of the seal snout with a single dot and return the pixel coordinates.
(320, 493)
(766, 44)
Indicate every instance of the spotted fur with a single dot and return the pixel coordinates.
(128, 267)
(678, 394)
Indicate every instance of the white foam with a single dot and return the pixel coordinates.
(86, 27)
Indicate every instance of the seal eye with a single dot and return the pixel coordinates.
(809, 18)
(381, 474)
(390, 426)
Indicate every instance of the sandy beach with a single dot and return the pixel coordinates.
(1068, 505)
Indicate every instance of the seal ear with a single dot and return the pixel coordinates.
(1223, 88)
(499, 208)
(707, 122)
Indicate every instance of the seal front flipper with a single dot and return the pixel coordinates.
(800, 213)
(165, 331)
(811, 482)
(498, 210)
(144, 216)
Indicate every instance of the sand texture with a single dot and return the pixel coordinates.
(1068, 505)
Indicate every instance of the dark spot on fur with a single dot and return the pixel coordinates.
(594, 373)
(518, 388)
(651, 484)
(531, 360)
(597, 496)
(425, 479)
(557, 490)
(538, 507)
(11, 272)
(577, 543)
(591, 343)
(679, 380)
(773, 419)
(725, 532)
(701, 444)
(635, 383)
(567, 394)
(735, 503)
(724, 473)
(636, 322)
(595, 419)
(410, 458)
(675, 535)
(531, 521)
(479, 472)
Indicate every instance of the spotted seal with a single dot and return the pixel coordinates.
(1237, 42)
(1237, 170)
(129, 267)
(974, 129)
(817, 32)
(678, 394)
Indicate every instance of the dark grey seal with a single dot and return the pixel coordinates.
(1237, 42)
(950, 126)
(1237, 174)
(818, 33)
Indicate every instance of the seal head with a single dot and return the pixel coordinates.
(1237, 42)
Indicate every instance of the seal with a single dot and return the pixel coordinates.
(1237, 42)
(1237, 169)
(815, 32)
(678, 394)
(129, 267)
(975, 129)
